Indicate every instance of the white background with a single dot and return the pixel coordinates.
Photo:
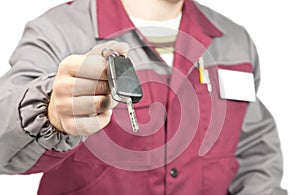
(274, 27)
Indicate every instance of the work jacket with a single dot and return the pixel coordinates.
(191, 140)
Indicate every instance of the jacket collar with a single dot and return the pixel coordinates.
(113, 20)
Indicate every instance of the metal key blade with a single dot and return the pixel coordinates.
(133, 120)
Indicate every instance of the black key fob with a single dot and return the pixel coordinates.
(122, 79)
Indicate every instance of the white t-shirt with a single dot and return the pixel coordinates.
(162, 34)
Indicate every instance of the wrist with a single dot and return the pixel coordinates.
(53, 116)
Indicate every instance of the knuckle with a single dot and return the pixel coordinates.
(71, 58)
(61, 106)
(64, 85)
(58, 105)
(56, 86)
(70, 64)
(66, 62)
(68, 125)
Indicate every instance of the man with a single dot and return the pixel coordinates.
(59, 117)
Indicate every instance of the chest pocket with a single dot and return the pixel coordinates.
(220, 119)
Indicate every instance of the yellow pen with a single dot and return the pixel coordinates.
(201, 70)
(204, 75)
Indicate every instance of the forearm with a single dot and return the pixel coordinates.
(26, 133)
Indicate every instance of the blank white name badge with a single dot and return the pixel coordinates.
(236, 85)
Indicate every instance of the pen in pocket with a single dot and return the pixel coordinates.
(204, 74)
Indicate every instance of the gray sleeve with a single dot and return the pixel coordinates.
(25, 131)
(258, 153)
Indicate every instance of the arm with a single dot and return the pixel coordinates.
(259, 153)
(25, 132)
(39, 129)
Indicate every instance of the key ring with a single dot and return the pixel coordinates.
(112, 52)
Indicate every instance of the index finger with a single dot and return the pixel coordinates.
(93, 65)
(83, 66)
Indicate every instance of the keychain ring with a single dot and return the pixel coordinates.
(112, 52)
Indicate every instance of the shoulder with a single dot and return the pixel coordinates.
(222, 22)
(235, 45)
(68, 26)
(66, 14)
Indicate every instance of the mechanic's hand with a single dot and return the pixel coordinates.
(81, 102)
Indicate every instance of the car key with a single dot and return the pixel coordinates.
(124, 84)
